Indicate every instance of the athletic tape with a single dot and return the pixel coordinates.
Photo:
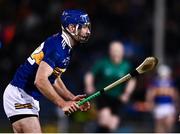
(102, 91)
(134, 73)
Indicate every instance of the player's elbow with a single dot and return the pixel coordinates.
(39, 82)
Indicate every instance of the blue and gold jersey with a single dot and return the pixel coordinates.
(55, 51)
(163, 91)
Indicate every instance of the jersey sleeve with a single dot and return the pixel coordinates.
(51, 55)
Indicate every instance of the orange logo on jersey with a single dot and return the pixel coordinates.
(38, 57)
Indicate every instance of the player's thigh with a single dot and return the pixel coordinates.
(27, 125)
(170, 119)
(159, 125)
(18, 105)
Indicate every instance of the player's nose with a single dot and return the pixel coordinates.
(88, 31)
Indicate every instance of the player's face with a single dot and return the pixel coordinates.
(84, 33)
(116, 52)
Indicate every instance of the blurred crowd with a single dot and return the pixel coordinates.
(150, 105)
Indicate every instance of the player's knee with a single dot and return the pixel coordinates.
(33, 126)
(17, 128)
(27, 125)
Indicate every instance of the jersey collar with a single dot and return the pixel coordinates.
(66, 38)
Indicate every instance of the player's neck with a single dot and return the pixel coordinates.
(69, 40)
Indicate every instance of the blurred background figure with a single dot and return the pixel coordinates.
(161, 99)
(104, 72)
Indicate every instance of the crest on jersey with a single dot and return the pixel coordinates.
(66, 61)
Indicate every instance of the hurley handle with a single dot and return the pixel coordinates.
(89, 98)
(109, 87)
(148, 64)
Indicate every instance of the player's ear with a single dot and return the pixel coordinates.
(72, 28)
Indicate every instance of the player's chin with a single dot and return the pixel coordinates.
(84, 39)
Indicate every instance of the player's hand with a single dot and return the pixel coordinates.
(79, 97)
(90, 89)
(86, 106)
(70, 107)
(124, 98)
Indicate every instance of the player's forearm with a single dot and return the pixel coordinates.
(149, 99)
(130, 86)
(89, 83)
(49, 92)
(62, 90)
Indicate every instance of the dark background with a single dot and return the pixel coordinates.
(24, 24)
